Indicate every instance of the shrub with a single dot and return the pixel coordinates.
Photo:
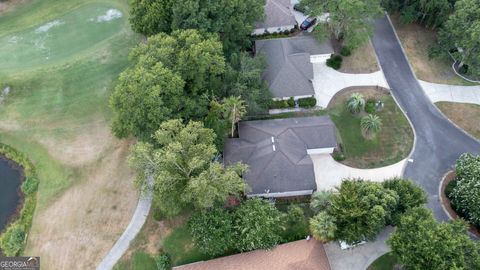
(410, 195)
(321, 200)
(323, 227)
(163, 261)
(282, 104)
(307, 102)
(291, 102)
(370, 106)
(355, 103)
(449, 188)
(12, 240)
(296, 227)
(370, 125)
(466, 194)
(30, 185)
(463, 69)
(335, 61)
(345, 51)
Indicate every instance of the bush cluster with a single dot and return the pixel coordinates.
(370, 106)
(163, 261)
(307, 102)
(345, 51)
(12, 240)
(282, 104)
(335, 61)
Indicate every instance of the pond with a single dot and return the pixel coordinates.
(10, 181)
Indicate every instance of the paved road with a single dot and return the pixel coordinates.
(438, 142)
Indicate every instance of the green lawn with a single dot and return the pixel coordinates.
(384, 262)
(180, 247)
(140, 261)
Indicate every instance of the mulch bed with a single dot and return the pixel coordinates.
(449, 177)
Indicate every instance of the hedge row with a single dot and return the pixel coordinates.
(12, 240)
(282, 104)
(307, 102)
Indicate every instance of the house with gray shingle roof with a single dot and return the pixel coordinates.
(278, 153)
(289, 71)
(278, 17)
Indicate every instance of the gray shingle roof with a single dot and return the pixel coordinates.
(289, 71)
(277, 14)
(288, 168)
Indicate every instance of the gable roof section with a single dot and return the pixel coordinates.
(277, 14)
(276, 152)
(289, 71)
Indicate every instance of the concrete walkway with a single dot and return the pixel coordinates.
(330, 173)
(357, 258)
(327, 82)
(134, 227)
(452, 93)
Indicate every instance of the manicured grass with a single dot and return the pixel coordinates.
(140, 261)
(416, 41)
(392, 144)
(464, 115)
(180, 247)
(385, 262)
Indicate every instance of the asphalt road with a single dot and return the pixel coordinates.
(438, 142)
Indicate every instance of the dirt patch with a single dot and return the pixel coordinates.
(79, 228)
(464, 115)
(416, 41)
(362, 60)
(9, 4)
(447, 207)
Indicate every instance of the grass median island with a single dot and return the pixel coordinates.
(392, 144)
(384, 262)
(464, 115)
(68, 57)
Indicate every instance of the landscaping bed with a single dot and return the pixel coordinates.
(387, 261)
(464, 115)
(416, 41)
(392, 144)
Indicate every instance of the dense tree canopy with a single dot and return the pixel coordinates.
(462, 31)
(232, 20)
(348, 19)
(409, 195)
(180, 163)
(465, 196)
(419, 242)
(170, 77)
(432, 13)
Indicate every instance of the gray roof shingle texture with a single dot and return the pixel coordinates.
(288, 168)
(277, 14)
(289, 71)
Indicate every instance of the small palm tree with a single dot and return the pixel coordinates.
(370, 124)
(355, 103)
(234, 109)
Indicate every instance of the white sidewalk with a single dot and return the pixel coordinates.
(452, 93)
(327, 82)
(330, 173)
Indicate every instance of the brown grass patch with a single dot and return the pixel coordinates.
(416, 41)
(362, 60)
(78, 229)
(7, 5)
(464, 115)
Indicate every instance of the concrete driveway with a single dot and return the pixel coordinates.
(438, 142)
(327, 82)
(330, 173)
(357, 258)
(452, 93)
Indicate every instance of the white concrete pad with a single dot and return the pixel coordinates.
(327, 82)
(330, 173)
(451, 93)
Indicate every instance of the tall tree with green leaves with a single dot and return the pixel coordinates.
(419, 242)
(235, 109)
(349, 20)
(461, 32)
(180, 162)
(232, 20)
(431, 13)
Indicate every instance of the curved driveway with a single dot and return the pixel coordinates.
(438, 142)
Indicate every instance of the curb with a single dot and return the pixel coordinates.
(440, 194)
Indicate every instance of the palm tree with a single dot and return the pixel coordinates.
(370, 125)
(234, 109)
(355, 103)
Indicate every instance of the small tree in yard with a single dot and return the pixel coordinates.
(409, 194)
(355, 103)
(323, 226)
(370, 125)
(419, 242)
(257, 225)
(320, 201)
(465, 196)
(235, 109)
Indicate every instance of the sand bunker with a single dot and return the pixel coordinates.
(44, 28)
(111, 14)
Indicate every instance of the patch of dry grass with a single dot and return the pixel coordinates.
(464, 115)
(416, 41)
(362, 60)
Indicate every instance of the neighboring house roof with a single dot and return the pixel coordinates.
(303, 254)
(277, 14)
(276, 152)
(289, 71)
